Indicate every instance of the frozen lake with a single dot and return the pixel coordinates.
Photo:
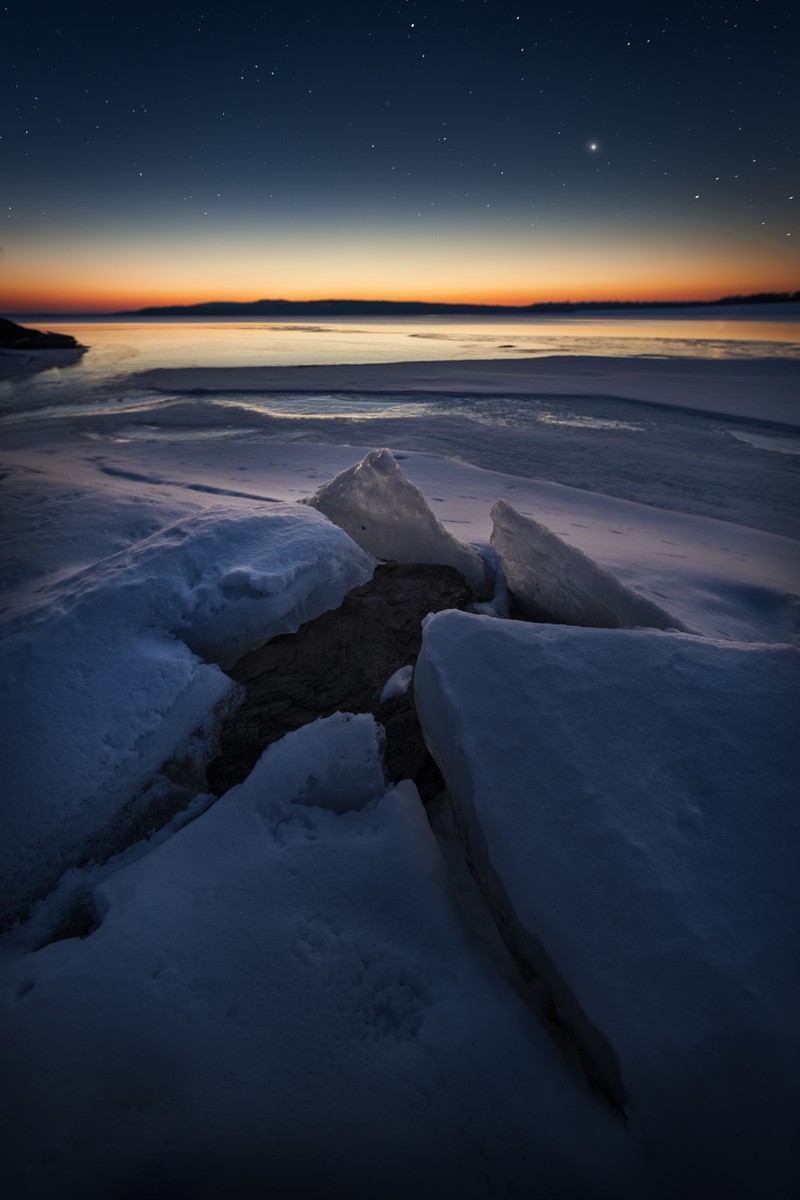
(139, 383)
(123, 346)
(180, 974)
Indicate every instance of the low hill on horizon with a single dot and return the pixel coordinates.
(406, 308)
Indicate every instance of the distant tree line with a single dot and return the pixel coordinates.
(410, 308)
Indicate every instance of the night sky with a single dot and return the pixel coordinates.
(174, 152)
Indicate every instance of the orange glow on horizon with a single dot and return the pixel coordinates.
(107, 275)
(93, 298)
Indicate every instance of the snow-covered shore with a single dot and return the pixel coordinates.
(278, 990)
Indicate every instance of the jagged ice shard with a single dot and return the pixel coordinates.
(558, 582)
(388, 516)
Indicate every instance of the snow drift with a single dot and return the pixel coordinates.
(109, 682)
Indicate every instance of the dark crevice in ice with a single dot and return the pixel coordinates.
(340, 662)
(533, 614)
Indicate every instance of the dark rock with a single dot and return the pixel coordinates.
(340, 662)
(18, 337)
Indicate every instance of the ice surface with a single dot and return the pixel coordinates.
(106, 680)
(381, 509)
(550, 578)
(629, 798)
(28, 362)
(761, 388)
(70, 501)
(283, 1001)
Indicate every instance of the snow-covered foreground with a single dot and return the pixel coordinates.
(279, 992)
(283, 1000)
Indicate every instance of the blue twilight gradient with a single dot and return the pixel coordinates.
(206, 128)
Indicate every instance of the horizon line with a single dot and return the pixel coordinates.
(324, 306)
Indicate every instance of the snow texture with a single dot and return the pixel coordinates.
(629, 800)
(381, 509)
(351, 746)
(283, 1001)
(550, 578)
(117, 674)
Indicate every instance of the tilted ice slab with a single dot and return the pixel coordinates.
(385, 513)
(282, 1000)
(108, 682)
(628, 798)
(548, 577)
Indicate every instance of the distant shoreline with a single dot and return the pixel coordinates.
(258, 309)
(419, 308)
